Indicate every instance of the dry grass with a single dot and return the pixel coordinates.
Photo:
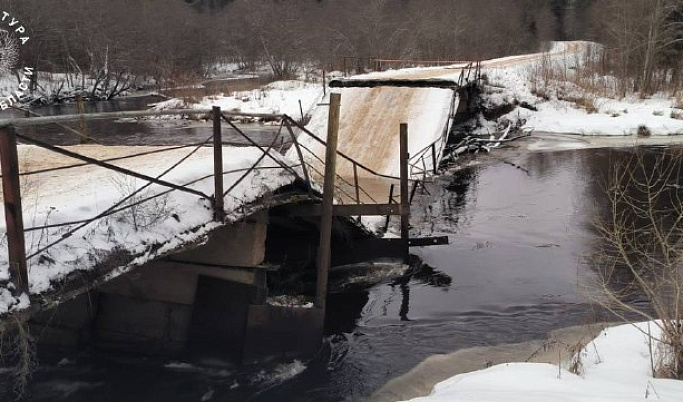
(18, 351)
(594, 72)
(644, 131)
(584, 102)
(678, 102)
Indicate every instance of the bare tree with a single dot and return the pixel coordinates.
(643, 248)
(9, 53)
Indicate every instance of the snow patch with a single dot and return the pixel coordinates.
(616, 368)
(562, 107)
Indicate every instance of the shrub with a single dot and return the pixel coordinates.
(642, 255)
(644, 131)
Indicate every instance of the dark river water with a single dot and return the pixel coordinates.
(131, 132)
(521, 232)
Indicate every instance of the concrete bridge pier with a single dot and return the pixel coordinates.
(210, 300)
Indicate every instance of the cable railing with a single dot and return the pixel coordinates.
(361, 185)
(208, 189)
(426, 161)
(351, 64)
(351, 189)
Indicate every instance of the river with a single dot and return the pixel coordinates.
(521, 230)
(518, 266)
(130, 132)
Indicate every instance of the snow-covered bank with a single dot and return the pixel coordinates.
(54, 88)
(615, 366)
(280, 97)
(544, 141)
(557, 105)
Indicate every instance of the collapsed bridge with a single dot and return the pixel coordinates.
(195, 218)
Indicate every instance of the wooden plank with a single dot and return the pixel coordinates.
(428, 241)
(338, 210)
(11, 189)
(405, 200)
(406, 83)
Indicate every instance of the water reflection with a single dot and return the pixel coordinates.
(520, 263)
(419, 273)
(638, 224)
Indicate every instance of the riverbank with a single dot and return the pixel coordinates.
(296, 98)
(549, 93)
(556, 349)
(541, 141)
(613, 364)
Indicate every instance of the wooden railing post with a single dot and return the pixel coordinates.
(405, 201)
(435, 167)
(356, 183)
(324, 254)
(391, 200)
(218, 208)
(11, 191)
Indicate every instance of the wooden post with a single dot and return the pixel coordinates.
(391, 200)
(218, 208)
(328, 202)
(412, 192)
(11, 191)
(301, 110)
(356, 183)
(435, 168)
(405, 201)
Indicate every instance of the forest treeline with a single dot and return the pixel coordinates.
(171, 40)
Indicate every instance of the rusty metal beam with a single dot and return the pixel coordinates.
(11, 191)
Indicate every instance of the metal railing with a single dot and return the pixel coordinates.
(354, 65)
(427, 160)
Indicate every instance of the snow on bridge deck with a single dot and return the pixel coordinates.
(370, 117)
(369, 126)
(142, 233)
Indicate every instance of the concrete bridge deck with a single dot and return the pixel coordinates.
(374, 105)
